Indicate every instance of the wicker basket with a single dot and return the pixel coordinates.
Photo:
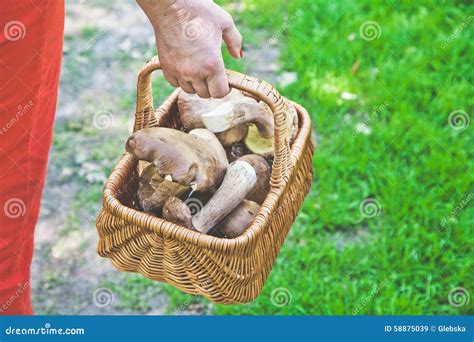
(223, 270)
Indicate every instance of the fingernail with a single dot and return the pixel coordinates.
(241, 53)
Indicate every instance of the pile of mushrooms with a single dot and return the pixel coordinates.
(192, 165)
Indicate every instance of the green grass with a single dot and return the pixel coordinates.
(418, 168)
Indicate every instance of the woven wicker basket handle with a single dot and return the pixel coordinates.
(144, 116)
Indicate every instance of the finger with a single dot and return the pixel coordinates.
(201, 89)
(171, 79)
(233, 40)
(218, 85)
(187, 86)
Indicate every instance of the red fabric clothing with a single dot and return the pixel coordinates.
(31, 41)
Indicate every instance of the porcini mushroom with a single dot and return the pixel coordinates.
(238, 182)
(176, 211)
(234, 113)
(153, 190)
(259, 144)
(232, 135)
(263, 171)
(191, 107)
(187, 159)
(239, 219)
(219, 151)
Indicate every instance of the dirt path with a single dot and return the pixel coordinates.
(105, 44)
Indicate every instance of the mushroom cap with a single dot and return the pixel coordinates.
(255, 143)
(176, 211)
(239, 219)
(221, 156)
(258, 144)
(263, 172)
(185, 157)
(232, 135)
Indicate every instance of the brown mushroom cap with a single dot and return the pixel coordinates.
(176, 211)
(244, 111)
(239, 219)
(259, 144)
(232, 135)
(263, 171)
(213, 142)
(186, 158)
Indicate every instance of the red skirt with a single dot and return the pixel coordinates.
(31, 41)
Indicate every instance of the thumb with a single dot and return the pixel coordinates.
(233, 40)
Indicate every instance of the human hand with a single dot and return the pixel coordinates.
(188, 37)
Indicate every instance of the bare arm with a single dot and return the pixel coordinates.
(189, 35)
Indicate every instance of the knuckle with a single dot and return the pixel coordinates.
(220, 92)
(212, 65)
(203, 94)
(187, 72)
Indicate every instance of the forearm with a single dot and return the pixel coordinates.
(162, 13)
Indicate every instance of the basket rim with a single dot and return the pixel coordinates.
(246, 241)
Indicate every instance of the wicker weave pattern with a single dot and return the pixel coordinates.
(224, 270)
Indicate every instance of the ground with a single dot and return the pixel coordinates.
(387, 227)
(94, 117)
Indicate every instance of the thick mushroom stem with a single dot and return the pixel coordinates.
(238, 182)
(234, 113)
